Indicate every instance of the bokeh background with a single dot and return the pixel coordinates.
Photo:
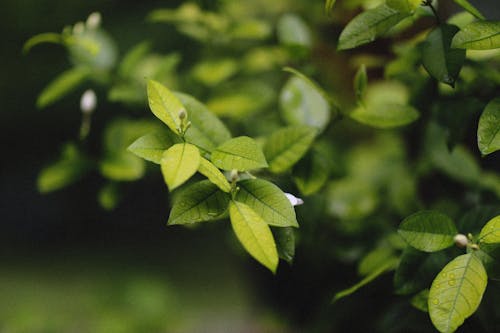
(67, 265)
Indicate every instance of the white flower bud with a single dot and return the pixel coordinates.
(234, 175)
(94, 20)
(88, 102)
(294, 200)
(461, 240)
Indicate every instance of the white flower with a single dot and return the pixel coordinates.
(461, 240)
(88, 102)
(294, 200)
(94, 20)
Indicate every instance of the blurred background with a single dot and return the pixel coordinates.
(68, 265)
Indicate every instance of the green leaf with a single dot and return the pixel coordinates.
(179, 163)
(61, 86)
(489, 254)
(109, 196)
(285, 243)
(198, 202)
(206, 131)
(302, 104)
(404, 6)
(479, 35)
(151, 146)
(213, 174)
(442, 62)
(48, 37)
(286, 147)
(360, 82)
(470, 8)
(369, 25)
(374, 259)
(254, 234)
(311, 173)
(214, 72)
(488, 131)
(329, 5)
(122, 166)
(388, 266)
(428, 231)
(293, 31)
(416, 270)
(456, 292)
(241, 153)
(268, 201)
(490, 233)
(70, 167)
(133, 57)
(420, 300)
(165, 105)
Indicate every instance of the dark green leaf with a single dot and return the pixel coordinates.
(420, 300)
(488, 131)
(311, 173)
(360, 82)
(241, 153)
(285, 243)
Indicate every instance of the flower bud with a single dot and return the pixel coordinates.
(94, 20)
(88, 102)
(78, 28)
(182, 114)
(461, 240)
(294, 200)
(234, 175)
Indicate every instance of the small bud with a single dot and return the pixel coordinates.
(461, 240)
(88, 102)
(234, 175)
(78, 28)
(294, 200)
(94, 20)
(182, 114)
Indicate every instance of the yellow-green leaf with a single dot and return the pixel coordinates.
(241, 153)
(179, 163)
(213, 174)
(490, 233)
(254, 234)
(61, 85)
(478, 35)
(151, 146)
(470, 8)
(165, 105)
(456, 292)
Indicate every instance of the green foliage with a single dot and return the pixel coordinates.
(241, 153)
(179, 163)
(470, 8)
(488, 131)
(479, 35)
(62, 85)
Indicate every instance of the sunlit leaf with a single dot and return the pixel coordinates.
(285, 243)
(442, 62)
(456, 292)
(213, 174)
(428, 231)
(198, 202)
(488, 131)
(151, 146)
(479, 35)
(490, 233)
(286, 146)
(61, 86)
(165, 105)
(179, 163)
(369, 25)
(268, 201)
(254, 234)
(470, 8)
(241, 153)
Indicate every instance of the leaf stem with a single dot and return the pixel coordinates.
(428, 3)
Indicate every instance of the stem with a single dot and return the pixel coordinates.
(428, 3)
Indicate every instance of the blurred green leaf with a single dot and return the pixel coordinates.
(213, 174)
(151, 146)
(70, 167)
(479, 35)
(369, 25)
(350, 198)
(92, 48)
(250, 29)
(286, 147)
(293, 31)
(420, 300)
(61, 86)
(470, 8)
(442, 62)
(122, 166)
(428, 231)
(456, 292)
(268, 201)
(213, 72)
(241, 153)
(285, 243)
(165, 105)
(360, 82)
(489, 254)
(311, 173)
(133, 57)
(109, 196)
(329, 5)
(48, 37)
(488, 131)
(179, 163)
(374, 259)
(254, 234)
(198, 202)
(404, 6)
(490, 233)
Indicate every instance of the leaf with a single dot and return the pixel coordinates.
(198, 202)
(122, 166)
(489, 254)
(374, 259)
(285, 243)
(179, 163)
(420, 300)
(109, 196)
(206, 131)
(470, 8)
(428, 231)
(61, 86)
(286, 147)
(254, 234)
(133, 57)
(490, 234)
(293, 31)
(151, 146)
(479, 35)
(488, 131)
(302, 104)
(442, 62)
(369, 25)
(386, 115)
(329, 5)
(268, 201)
(456, 292)
(360, 82)
(388, 266)
(214, 72)
(70, 167)
(404, 6)
(311, 173)
(213, 174)
(165, 105)
(241, 153)
(48, 37)
(416, 270)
